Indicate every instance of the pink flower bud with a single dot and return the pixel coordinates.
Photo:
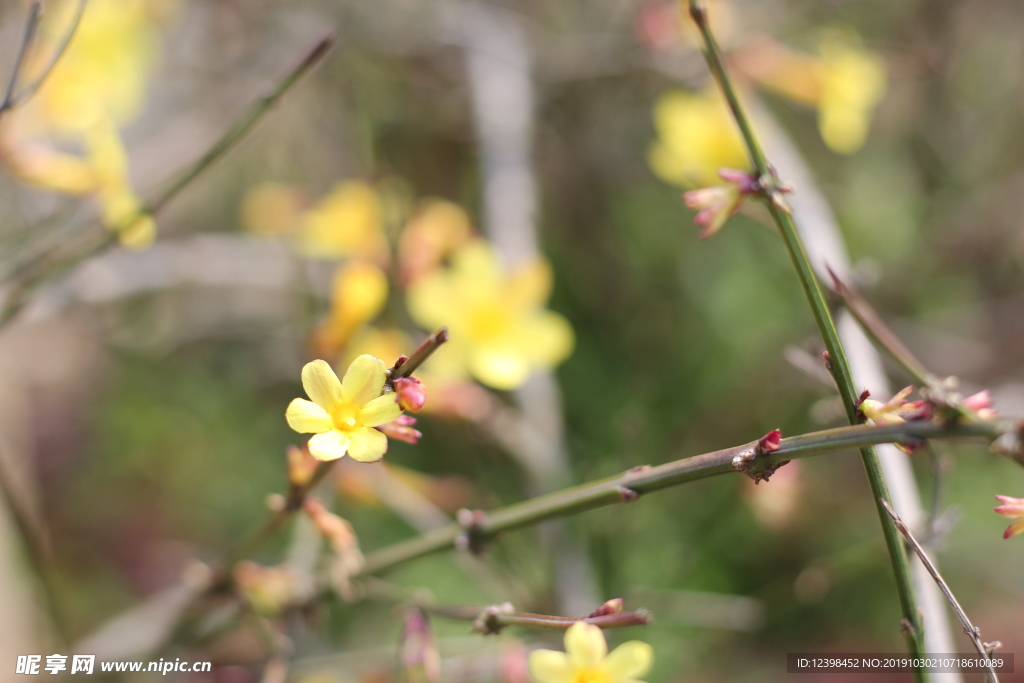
(401, 430)
(770, 442)
(613, 606)
(411, 394)
(1014, 509)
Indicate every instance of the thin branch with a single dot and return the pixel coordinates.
(406, 366)
(36, 540)
(826, 328)
(880, 334)
(970, 629)
(630, 485)
(38, 270)
(491, 619)
(31, 90)
(31, 26)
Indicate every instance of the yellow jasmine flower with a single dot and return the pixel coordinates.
(852, 85)
(358, 295)
(845, 83)
(103, 72)
(500, 330)
(892, 411)
(343, 414)
(44, 167)
(586, 659)
(696, 137)
(272, 209)
(1014, 509)
(436, 229)
(347, 222)
(122, 210)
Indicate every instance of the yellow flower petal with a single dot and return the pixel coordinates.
(585, 645)
(530, 285)
(430, 300)
(380, 410)
(500, 367)
(367, 445)
(307, 417)
(364, 380)
(548, 666)
(139, 234)
(358, 294)
(629, 660)
(321, 384)
(329, 445)
(547, 338)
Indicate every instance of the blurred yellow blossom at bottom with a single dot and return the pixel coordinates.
(499, 329)
(586, 659)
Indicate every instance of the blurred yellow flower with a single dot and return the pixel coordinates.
(103, 72)
(696, 137)
(358, 295)
(343, 414)
(272, 209)
(436, 229)
(845, 83)
(122, 210)
(853, 83)
(586, 659)
(500, 330)
(346, 223)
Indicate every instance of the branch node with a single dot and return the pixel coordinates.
(628, 495)
(472, 538)
(489, 622)
(753, 461)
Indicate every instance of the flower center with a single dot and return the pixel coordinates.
(488, 321)
(346, 417)
(590, 676)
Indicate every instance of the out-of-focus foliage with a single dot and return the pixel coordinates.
(147, 397)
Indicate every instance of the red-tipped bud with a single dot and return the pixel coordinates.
(770, 442)
(1014, 509)
(613, 606)
(412, 395)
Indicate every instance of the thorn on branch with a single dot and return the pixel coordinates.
(472, 539)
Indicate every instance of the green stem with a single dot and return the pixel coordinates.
(627, 486)
(913, 627)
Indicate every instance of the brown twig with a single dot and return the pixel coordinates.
(880, 333)
(31, 26)
(406, 366)
(973, 632)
